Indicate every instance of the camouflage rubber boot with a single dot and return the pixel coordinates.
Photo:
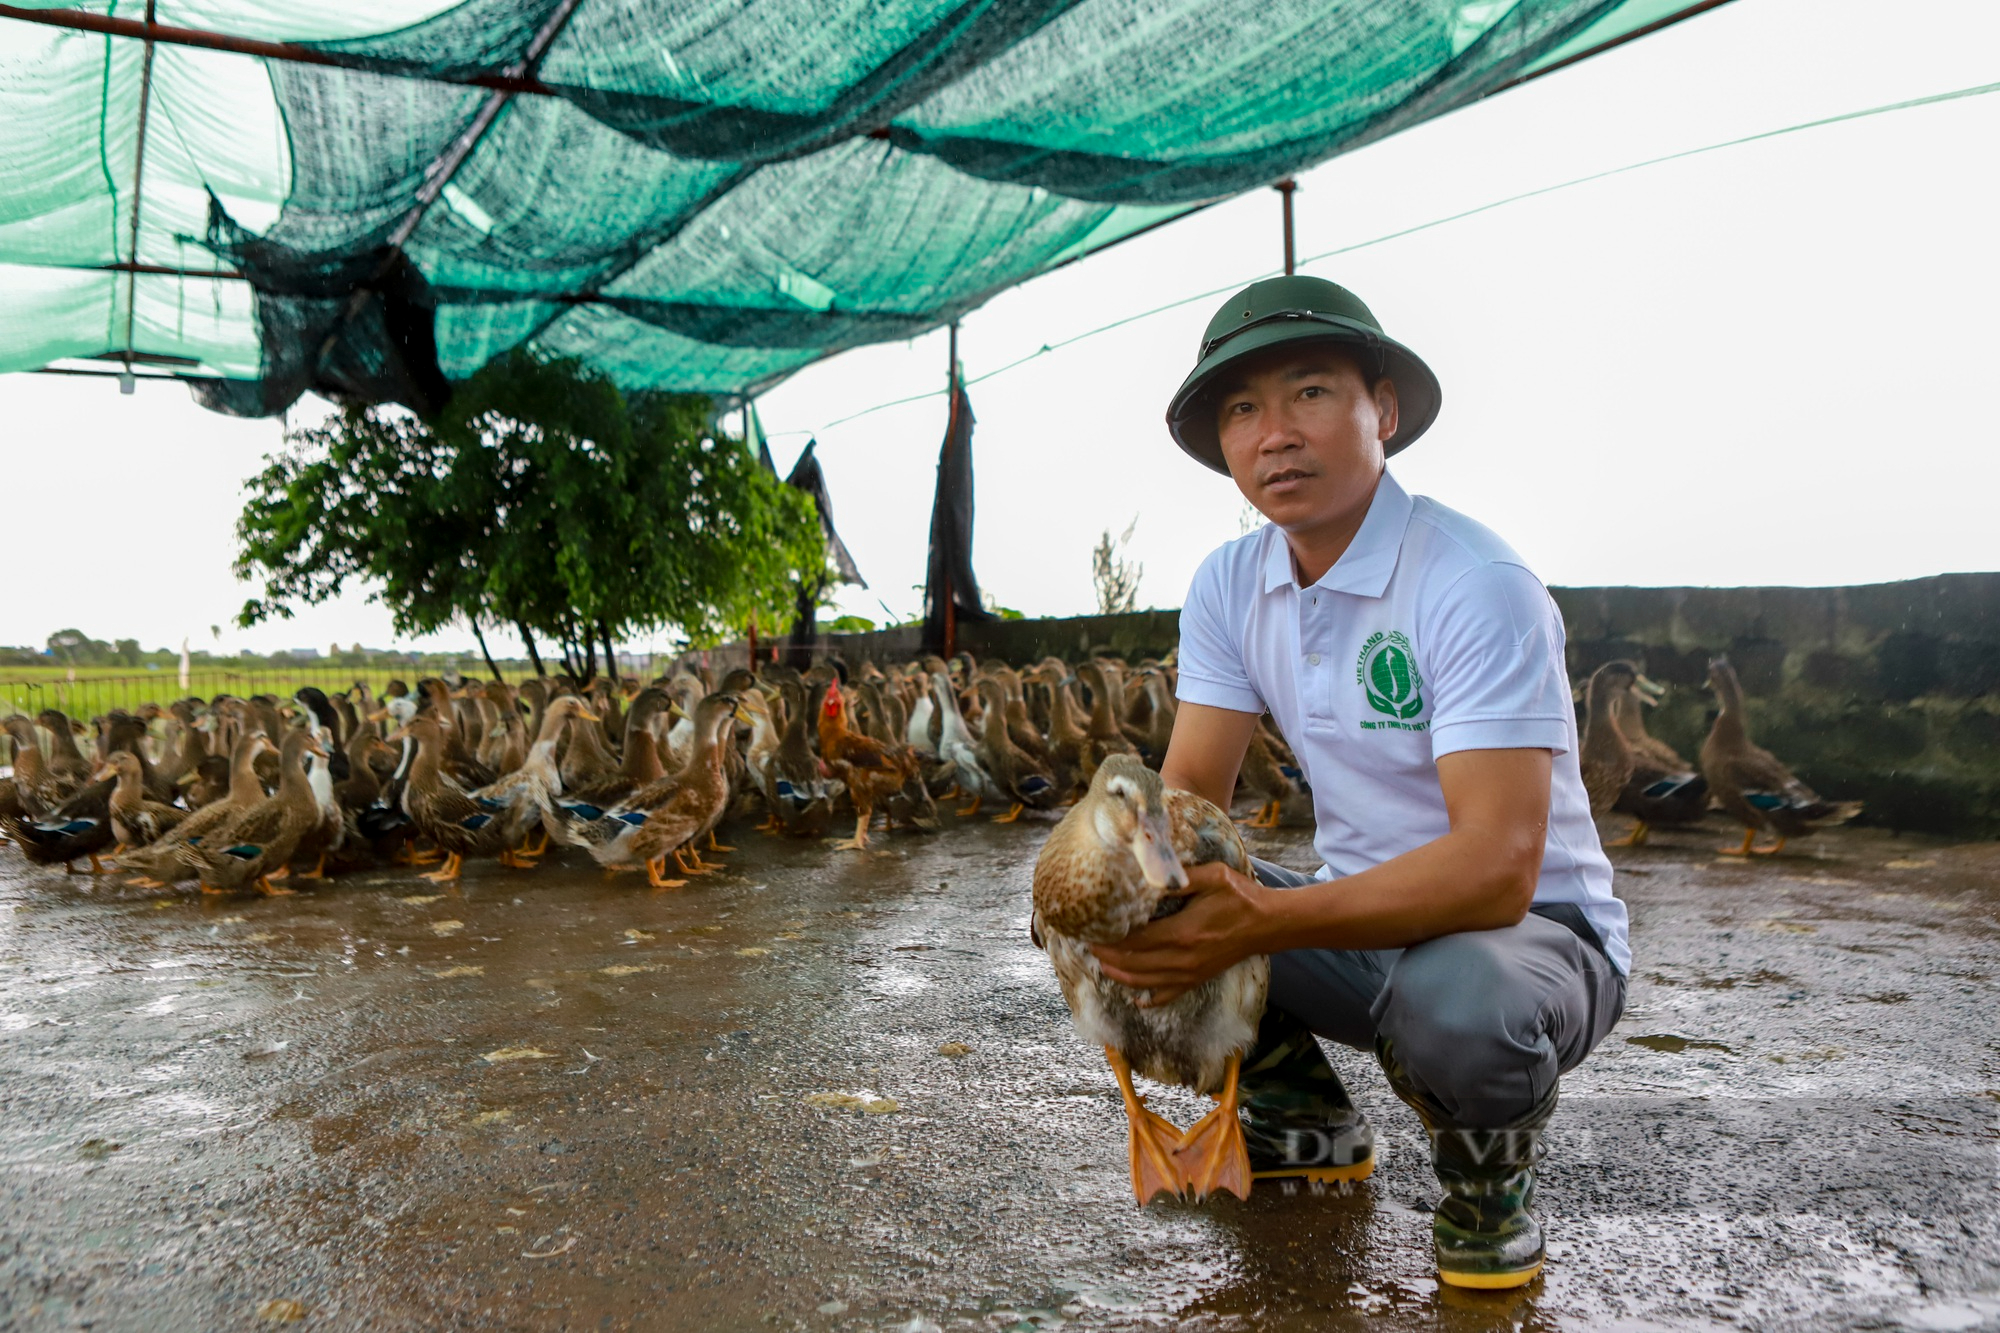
(1297, 1119)
(1482, 1232)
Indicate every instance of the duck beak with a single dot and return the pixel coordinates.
(1154, 850)
(187, 779)
(103, 771)
(1651, 689)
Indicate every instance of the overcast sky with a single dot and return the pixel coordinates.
(1773, 364)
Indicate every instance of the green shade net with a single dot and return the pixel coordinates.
(688, 194)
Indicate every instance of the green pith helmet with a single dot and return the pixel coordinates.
(1297, 310)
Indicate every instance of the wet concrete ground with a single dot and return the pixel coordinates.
(555, 1102)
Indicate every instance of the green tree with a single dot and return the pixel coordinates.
(543, 499)
(72, 647)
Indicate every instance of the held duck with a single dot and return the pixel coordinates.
(1115, 862)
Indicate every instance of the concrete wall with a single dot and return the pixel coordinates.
(1889, 693)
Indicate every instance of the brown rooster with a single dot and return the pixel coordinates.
(871, 773)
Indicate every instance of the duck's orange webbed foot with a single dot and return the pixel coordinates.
(1151, 1141)
(1636, 838)
(1212, 1154)
(1749, 836)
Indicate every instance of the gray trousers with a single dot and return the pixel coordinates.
(1484, 1020)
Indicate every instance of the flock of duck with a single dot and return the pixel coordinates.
(235, 793)
(232, 793)
(1628, 770)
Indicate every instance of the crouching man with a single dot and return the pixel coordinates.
(1463, 926)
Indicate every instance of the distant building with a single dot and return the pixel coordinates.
(304, 654)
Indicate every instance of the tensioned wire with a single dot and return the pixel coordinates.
(1046, 348)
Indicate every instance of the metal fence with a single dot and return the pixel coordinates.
(88, 696)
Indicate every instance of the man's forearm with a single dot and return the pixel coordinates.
(1465, 880)
(1176, 776)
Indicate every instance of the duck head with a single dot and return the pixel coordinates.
(1129, 813)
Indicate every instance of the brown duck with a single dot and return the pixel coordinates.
(1114, 863)
(65, 760)
(458, 821)
(1106, 737)
(664, 819)
(1751, 784)
(80, 827)
(1069, 747)
(1664, 788)
(245, 852)
(1282, 789)
(1604, 756)
(176, 855)
(135, 821)
(36, 788)
(1024, 780)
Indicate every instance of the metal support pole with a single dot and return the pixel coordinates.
(950, 441)
(1285, 189)
(149, 31)
(126, 381)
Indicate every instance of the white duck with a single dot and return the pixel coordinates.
(958, 747)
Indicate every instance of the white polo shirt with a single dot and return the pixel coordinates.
(1428, 636)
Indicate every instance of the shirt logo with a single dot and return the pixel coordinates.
(1387, 674)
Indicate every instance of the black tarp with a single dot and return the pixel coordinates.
(951, 591)
(807, 476)
(352, 328)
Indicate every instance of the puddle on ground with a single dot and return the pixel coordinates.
(1674, 1045)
